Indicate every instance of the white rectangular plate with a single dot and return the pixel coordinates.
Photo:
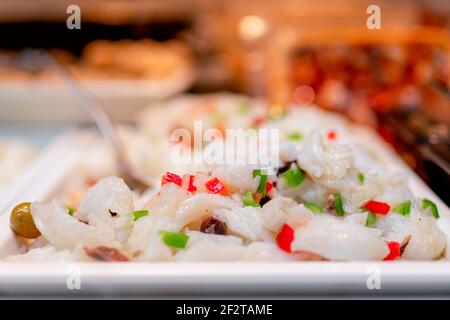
(136, 279)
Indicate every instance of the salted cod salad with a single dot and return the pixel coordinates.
(332, 198)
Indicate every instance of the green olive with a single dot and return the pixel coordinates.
(22, 223)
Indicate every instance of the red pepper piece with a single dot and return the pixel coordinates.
(331, 135)
(269, 186)
(394, 251)
(171, 177)
(216, 187)
(285, 238)
(191, 187)
(377, 207)
(258, 121)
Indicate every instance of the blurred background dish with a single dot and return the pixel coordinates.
(132, 54)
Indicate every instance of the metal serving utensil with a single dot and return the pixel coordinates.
(36, 60)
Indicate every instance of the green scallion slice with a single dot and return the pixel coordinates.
(293, 177)
(361, 178)
(249, 200)
(174, 239)
(139, 214)
(295, 136)
(426, 203)
(244, 107)
(70, 211)
(314, 208)
(371, 219)
(404, 209)
(338, 204)
(263, 180)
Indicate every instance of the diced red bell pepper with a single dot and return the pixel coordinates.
(171, 177)
(377, 207)
(331, 135)
(394, 251)
(258, 121)
(269, 186)
(191, 187)
(216, 187)
(285, 238)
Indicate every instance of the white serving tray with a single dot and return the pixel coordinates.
(159, 280)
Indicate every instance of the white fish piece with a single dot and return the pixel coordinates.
(200, 206)
(209, 250)
(288, 151)
(109, 200)
(167, 200)
(365, 159)
(156, 250)
(394, 196)
(324, 159)
(312, 192)
(238, 177)
(138, 239)
(359, 218)
(245, 222)
(306, 191)
(299, 216)
(393, 227)
(147, 225)
(357, 195)
(275, 212)
(395, 192)
(335, 239)
(263, 251)
(145, 240)
(44, 254)
(64, 231)
(310, 119)
(427, 240)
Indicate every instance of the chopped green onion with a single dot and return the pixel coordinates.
(249, 200)
(139, 214)
(70, 211)
(338, 205)
(404, 209)
(371, 219)
(263, 180)
(315, 208)
(174, 239)
(293, 177)
(434, 210)
(244, 107)
(295, 136)
(361, 178)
